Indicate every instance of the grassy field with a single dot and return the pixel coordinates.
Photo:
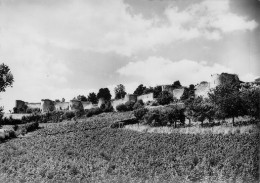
(89, 151)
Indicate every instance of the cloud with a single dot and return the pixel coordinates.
(159, 70)
(108, 26)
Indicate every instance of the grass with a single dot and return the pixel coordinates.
(88, 150)
(194, 129)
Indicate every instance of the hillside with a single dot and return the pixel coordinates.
(90, 151)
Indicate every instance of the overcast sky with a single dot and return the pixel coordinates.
(63, 48)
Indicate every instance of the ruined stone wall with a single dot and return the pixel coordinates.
(87, 105)
(115, 103)
(130, 97)
(60, 106)
(34, 105)
(202, 89)
(20, 106)
(146, 98)
(47, 105)
(177, 93)
(215, 80)
(100, 102)
(75, 105)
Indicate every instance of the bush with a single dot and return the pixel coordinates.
(129, 105)
(138, 104)
(140, 113)
(107, 107)
(94, 111)
(154, 103)
(165, 98)
(121, 108)
(29, 111)
(164, 116)
(23, 129)
(68, 115)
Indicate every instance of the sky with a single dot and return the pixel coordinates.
(64, 48)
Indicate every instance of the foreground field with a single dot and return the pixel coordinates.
(89, 151)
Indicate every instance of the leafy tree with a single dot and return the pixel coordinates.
(176, 84)
(63, 100)
(82, 98)
(104, 93)
(165, 98)
(251, 100)
(92, 97)
(157, 91)
(227, 101)
(148, 90)
(57, 100)
(120, 91)
(140, 90)
(6, 77)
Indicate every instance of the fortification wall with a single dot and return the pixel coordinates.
(87, 105)
(202, 89)
(75, 105)
(130, 97)
(177, 93)
(47, 105)
(60, 106)
(215, 80)
(20, 106)
(146, 98)
(34, 105)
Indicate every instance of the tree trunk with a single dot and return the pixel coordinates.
(233, 121)
(175, 124)
(189, 122)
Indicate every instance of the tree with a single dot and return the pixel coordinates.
(176, 84)
(148, 90)
(82, 98)
(57, 100)
(227, 101)
(157, 91)
(251, 100)
(104, 93)
(165, 98)
(140, 90)
(63, 100)
(92, 97)
(120, 91)
(6, 77)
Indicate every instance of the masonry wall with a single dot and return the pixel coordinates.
(59, 106)
(177, 93)
(202, 89)
(87, 105)
(75, 105)
(47, 105)
(34, 105)
(146, 98)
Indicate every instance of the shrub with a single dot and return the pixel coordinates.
(107, 107)
(24, 128)
(94, 111)
(129, 105)
(68, 115)
(138, 104)
(140, 113)
(29, 111)
(154, 103)
(121, 108)
(164, 116)
(165, 98)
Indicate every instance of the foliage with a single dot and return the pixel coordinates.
(28, 127)
(148, 90)
(120, 91)
(251, 100)
(68, 115)
(92, 97)
(93, 111)
(140, 113)
(176, 84)
(92, 152)
(138, 104)
(104, 93)
(6, 77)
(227, 101)
(140, 90)
(165, 98)
(82, 98)
(107, 107)
(130, 105)
(157, 91)
(121, 108)
(164, 116)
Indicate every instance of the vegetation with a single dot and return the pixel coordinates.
(165, 98)
(104, 93)
(82, 98)
(92, 97)
(120, 91)
(6, 77)
(91, 152)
